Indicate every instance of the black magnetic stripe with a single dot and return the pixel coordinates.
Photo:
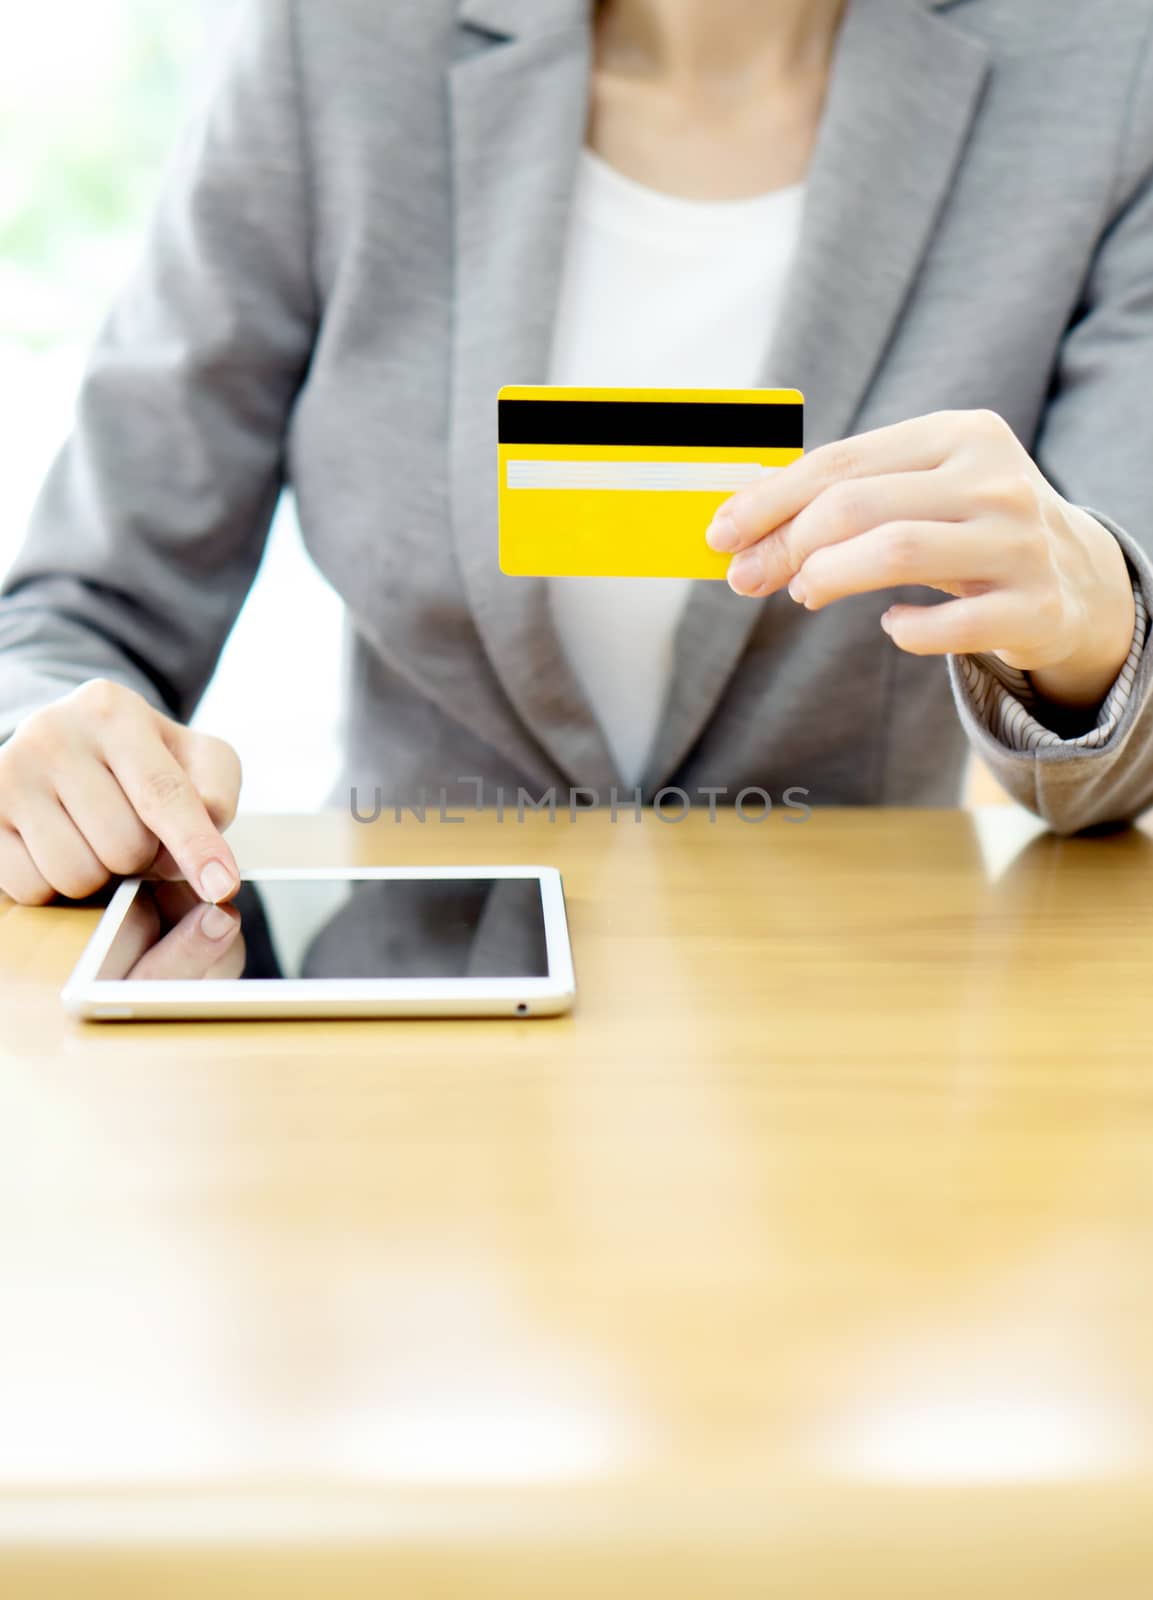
(717, 424)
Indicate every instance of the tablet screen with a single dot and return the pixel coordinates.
(338, 928)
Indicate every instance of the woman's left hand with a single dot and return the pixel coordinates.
(955, 502)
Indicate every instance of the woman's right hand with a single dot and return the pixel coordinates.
(100, 785)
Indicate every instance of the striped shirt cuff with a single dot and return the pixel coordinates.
(1005, 701)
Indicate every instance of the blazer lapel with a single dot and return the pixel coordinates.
(518, 104)
(903, 92)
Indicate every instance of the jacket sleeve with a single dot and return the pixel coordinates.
(150, 526)
(1096, 447)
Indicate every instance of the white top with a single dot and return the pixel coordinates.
(656, 292)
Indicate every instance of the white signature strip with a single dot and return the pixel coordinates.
(661, 476)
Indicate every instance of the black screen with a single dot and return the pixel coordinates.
(335, 928)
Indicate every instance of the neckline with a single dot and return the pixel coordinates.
(613, 188)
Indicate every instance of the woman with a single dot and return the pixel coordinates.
(934, 219)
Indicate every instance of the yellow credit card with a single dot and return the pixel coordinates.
(622, 483)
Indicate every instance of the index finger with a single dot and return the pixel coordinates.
(753, 513)
(168, 804)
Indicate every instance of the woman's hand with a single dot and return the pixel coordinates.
(100, 785)
(955, 502)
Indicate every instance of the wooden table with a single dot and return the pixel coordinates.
(812, 1257)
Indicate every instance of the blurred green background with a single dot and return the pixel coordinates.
(91, 97)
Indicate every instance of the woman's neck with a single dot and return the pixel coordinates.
(715, 44)
(711, 99)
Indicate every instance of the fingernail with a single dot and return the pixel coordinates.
(798, 591)
(722, 532)
(216, 882)
(885, 623)
(745, 571)
(216, 923)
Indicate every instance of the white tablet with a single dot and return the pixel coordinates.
(364, 942)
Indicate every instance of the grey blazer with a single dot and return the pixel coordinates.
(361, 240)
